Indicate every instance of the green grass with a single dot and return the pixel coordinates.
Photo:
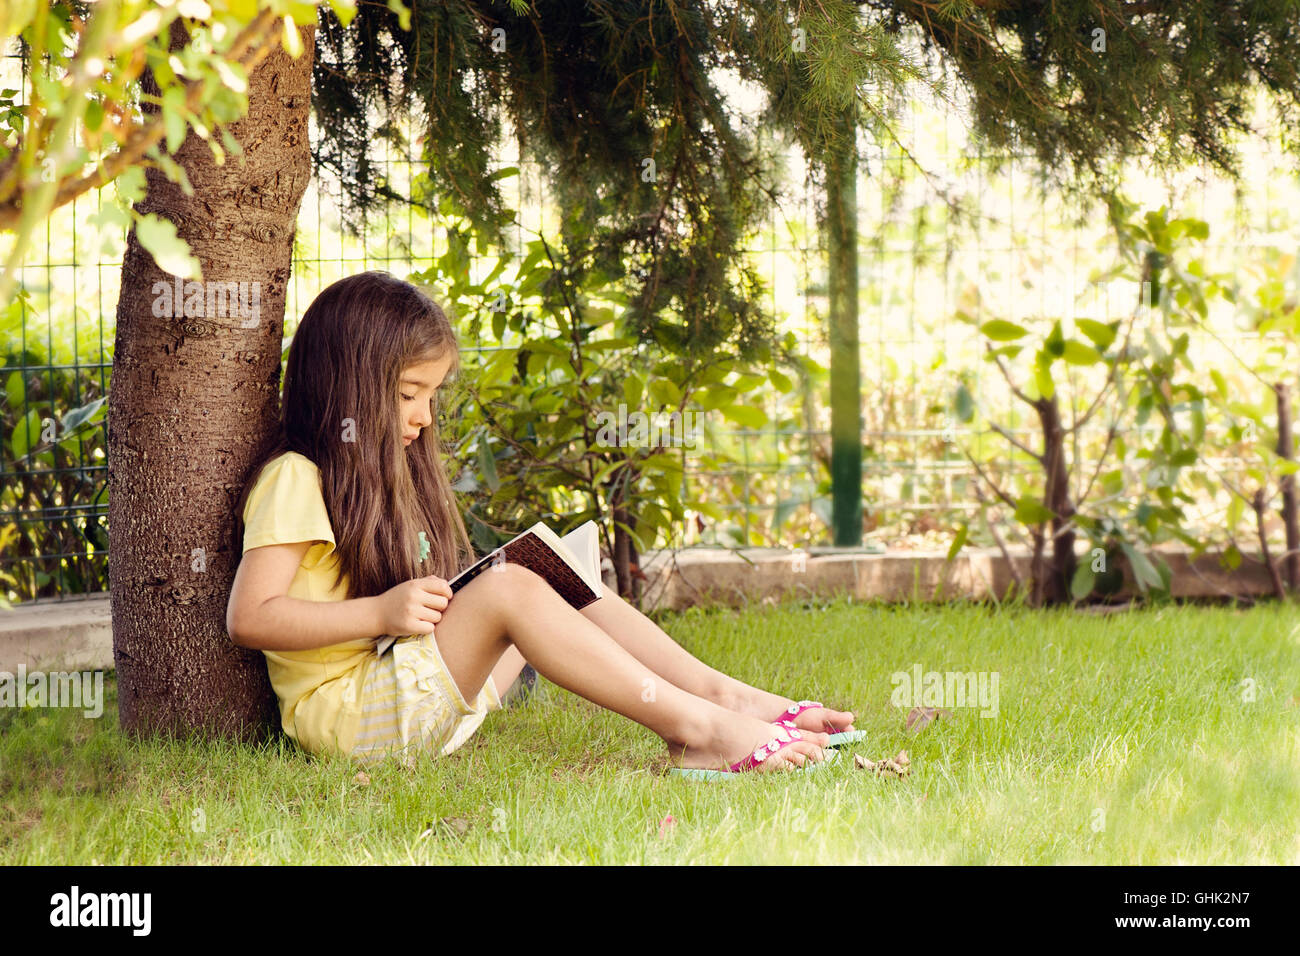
(1139, 715)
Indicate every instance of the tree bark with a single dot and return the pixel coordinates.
(1286, 450)
(193, 399)
(1056, 497)
(1274, 575)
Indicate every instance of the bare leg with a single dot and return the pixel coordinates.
(649, 644)
(516, 606)
(507, 669)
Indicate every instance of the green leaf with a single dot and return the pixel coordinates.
(745, 415)
(1010, 351)
(780, 380)
(174, 117)
(1145, 404)
(1054, 344)
(633, 387)
(404, 21)
(1144, 572)
(1000, 330)
(1235, 509)
(1076, 353)
(1031, 511)
(1085, 579)
(1101, 335)
(665, 391)
(94, 115)
(110, 216)
(958, 541)
(1043, 379)
(291, 39)
(168, 249)
(715, 396)
(784, 509)
(130, 184)
(1231, 558)
(487, 464)
(964, 404)
(15, 389)
(26, 434)
(80, 416)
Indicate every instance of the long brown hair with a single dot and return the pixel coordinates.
(341, 409)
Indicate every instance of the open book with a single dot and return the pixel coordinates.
(570, 564)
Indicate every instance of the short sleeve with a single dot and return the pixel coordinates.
(285, 505)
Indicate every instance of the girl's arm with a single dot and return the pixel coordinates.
(260, 615)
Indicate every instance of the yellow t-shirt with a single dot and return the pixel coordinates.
(318, 689)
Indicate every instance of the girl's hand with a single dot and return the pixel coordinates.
(413, 607)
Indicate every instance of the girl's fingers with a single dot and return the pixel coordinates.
(436, 585)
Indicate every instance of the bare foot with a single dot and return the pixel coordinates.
(823, 718)
(757, 703)
(736, 736)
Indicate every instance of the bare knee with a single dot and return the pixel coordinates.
(505, 590)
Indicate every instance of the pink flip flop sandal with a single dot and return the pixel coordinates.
(838, 737)
(784, 738)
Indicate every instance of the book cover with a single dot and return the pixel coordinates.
(570, 565)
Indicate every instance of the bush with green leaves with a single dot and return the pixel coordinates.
(1120, 492)
(55, 490)
(544, 421)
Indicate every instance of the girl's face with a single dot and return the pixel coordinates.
(419, 382)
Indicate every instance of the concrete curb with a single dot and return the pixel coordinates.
(77, 633)
(712, 576)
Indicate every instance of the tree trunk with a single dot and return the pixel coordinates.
(1056, 496)
(193, 399)
(625, 558)
(846, 375)
(1286, 450)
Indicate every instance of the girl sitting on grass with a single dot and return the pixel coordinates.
(350, 531)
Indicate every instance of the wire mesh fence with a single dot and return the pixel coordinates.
(950, 237)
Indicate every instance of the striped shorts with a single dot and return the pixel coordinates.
(412, 706)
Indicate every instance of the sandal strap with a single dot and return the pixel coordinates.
(790, 713)
(784, 738)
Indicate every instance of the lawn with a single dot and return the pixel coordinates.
(1165, 735)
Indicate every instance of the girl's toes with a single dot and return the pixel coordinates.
(805, 752)
(838, 721)
(814, 736)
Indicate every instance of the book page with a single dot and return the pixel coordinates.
(584, 543)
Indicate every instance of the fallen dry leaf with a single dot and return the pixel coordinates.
(457, 825)
(362, 778)
(897, 766)
(918, 717)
